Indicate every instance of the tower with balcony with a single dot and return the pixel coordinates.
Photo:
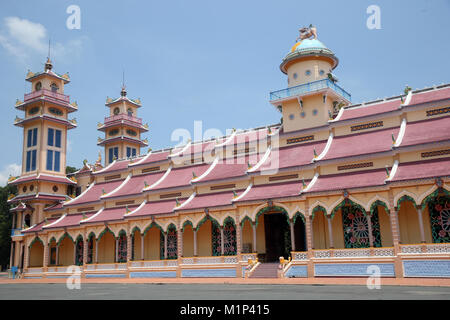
(45, 125)
(312, 97)
(122, 129)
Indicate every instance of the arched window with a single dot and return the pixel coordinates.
(54, 87)
(130, 112)
(27, 220)
(38, 86)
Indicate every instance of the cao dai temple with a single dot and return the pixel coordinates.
(334, 188)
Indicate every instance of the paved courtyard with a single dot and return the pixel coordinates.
(168, 291)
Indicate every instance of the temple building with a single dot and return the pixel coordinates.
(331, 190)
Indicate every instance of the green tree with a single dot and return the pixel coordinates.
(70, 169)
(5, 225)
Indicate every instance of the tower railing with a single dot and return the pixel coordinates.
(309, 87)
(47, 93)
(123, 117)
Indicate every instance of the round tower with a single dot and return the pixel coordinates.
(312, 97)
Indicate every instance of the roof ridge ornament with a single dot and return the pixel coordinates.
(307, 33)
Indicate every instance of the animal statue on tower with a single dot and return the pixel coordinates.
(307, 33)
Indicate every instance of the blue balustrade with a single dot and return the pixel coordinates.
(309, 87)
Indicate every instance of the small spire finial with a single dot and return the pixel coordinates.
(48, 64)
(123, 92)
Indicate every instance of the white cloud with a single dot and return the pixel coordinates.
(24, 39)
(12, 169)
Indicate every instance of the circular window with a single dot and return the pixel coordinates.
(302, 114)
(55, 111)
(24, 189)
(321, 72)
(31, 188)
(295, 76)
(315, 112)
(116, 110)
(55, 188)
(131, 132)
(308, 72)
(291, 117)
(38, 86)
(33, 111)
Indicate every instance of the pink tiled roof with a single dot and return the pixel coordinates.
(110, 214)
(249, 136)
(423, 169)
(273, 191)
(38, 196)
(292, 156)
(56, 206)
(43, 177)
(361, 143)
(95, 192)
(370, 109)
(153, 157)
(429, 96)
(156, 207)
(433, 130)
(70, 220)
(349, 180)
(136, 184)
(115, 166)
(202, 201)
(180, 177)
(38, 227)
(231, 168)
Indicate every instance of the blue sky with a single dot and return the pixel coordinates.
(214, 61)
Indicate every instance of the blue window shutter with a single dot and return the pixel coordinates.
(35, 136)
(58, 138)
(50, 137)
(29, 139)
(57, 156)
(116, 152)
(128, 152)
(110, 155)
(33, 160)
(28, 163)
(49, 159)
(133, 153)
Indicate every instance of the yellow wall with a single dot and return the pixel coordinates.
(204, 244)
(152, 244)
(66, 252)
(188, 242)
(338, 230)
(137, 245)
(36, 255)
(106, 249)
(320, 231)
(409, 224)
(247, 235)
(300, 67)
(385, 227)
(260, 235)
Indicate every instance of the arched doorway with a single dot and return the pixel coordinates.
(299, 232)
(36, 253)
(277, 233)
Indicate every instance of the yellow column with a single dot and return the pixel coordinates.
(330, 232)
(291, 225)
(129, 247)
(254, 236)
(142, 246)
(419, 216)
(195, 242)
(369, 227)
(238, 238)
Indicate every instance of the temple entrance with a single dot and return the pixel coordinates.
(278, 237)
(300, 235)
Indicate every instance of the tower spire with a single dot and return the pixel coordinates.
(123, 92)
(48, 64)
